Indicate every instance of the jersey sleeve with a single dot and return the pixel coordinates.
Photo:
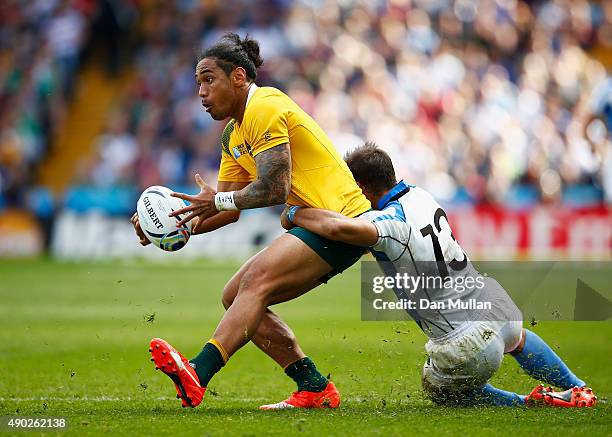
(229, 169)
(267, 126)
(392, 229)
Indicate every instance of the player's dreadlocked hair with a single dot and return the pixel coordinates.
(371, 167)
(231, 51)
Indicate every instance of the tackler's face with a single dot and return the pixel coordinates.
(216, 89)
(373, 198)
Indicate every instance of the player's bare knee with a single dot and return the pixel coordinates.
(229, 293)
(257, 284)
(227, 301)
(259, 292)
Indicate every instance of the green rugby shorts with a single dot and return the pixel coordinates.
(337, 254)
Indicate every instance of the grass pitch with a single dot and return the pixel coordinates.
(74, 341)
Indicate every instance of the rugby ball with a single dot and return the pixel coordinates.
(153, 207)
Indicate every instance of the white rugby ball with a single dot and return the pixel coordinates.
(153, 207)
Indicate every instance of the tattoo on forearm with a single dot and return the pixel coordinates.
(273, 181)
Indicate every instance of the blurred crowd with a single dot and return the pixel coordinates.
(40, 43)
(494, 101)
(42, 46)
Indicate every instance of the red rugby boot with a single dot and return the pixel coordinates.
(177, 367)
(536, 397)
(328, 398)
(575, 397)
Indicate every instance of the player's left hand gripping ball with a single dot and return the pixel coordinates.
(152, 222)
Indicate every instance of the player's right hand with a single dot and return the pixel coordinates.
(285, 223)
(141, 235)
(201, 205)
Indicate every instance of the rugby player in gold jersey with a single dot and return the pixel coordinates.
(272, 153)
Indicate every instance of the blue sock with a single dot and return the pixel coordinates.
(490, 395)
(542, 363)
(487, 395)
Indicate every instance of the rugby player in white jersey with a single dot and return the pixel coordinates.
(409, 231)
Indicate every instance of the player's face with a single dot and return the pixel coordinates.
(216, 89)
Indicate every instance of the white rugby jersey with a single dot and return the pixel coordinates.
(414, 236)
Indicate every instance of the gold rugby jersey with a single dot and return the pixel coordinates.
(319, 176)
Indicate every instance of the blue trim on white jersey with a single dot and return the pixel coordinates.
(380, 256)
(399, 210)
(386, 217)
(394, 193)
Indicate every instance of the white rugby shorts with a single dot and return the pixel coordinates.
(470, 355)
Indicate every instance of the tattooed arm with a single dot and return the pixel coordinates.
(271, 187)
(273, 181)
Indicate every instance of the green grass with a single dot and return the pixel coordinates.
(74, 341)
